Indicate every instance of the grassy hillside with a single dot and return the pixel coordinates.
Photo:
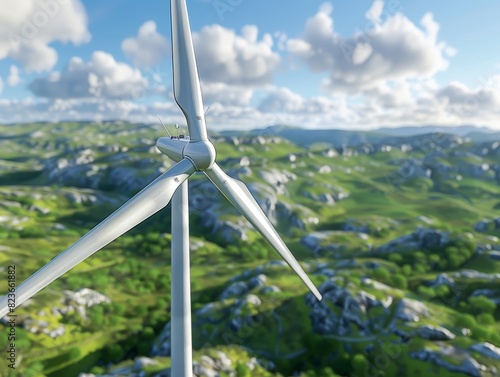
(400, 234)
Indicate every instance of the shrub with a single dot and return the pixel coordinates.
(399, 281)
(242, 370)
(382, 274)
(486, 319)
(359, 364)
(482, 304)
(74, 353)
(396, 258)
(427, 292)
(465, 320)
(114, 353)
(406, 270)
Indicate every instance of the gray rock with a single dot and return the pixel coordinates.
(315, 239)
(469, 366)
(411, 310)
(79, 198)
(270, 289)
(422, 238)
(203, 371)
(237, 289)
(326, 197)
(425, 219)
(59, 331)
(376, 284)
(473, 274)
(481, 226)
(442, 279)
(60, 227)
(223, 362)
(330, 153)
(142, 362)
(250, 300)
(487, 349)
(277, 179)
(435, 333)
(86, 297)
(495, 255)
(275, 263)
(43, 211)
(342, 311)
(352, 225)
(257, 282)
(161, 345)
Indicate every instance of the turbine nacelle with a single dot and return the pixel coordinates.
(201, 153)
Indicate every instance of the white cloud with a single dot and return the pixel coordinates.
(394, 104)
(393, 50)
(28, 27)
(227, 95)
(466, 102)
(13, 79)
(148, 48)
(102, 76)
(316, 111)
(233, 59)
(373, 14)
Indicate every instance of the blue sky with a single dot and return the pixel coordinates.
(316, 64)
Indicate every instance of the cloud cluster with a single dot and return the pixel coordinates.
(227, 95)
(286, 101)
(28, 27)
(148, 48)
(102, 76)
(389, 105)
(466, 102)
(234, 59)
(13, 79)
(383, 75)
(395, 49)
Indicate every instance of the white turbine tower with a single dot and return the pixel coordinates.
(196, 154)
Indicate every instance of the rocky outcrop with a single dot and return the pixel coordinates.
(235, 308)
(277, 179)
(85, 297)
(473, 275)
(487, 225)
(441, 279)
(421, 239)
(435, 333)
(343, 312)
(487, 349)
(412, 168)
(234, 290)
(329, 196)
(469, 366)
(410, 310)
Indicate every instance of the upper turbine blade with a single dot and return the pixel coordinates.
(146, 203)
(187, 90)
(240, 197)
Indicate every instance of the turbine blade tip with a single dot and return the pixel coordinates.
(319, 296)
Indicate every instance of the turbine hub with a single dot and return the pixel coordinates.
(201, 153)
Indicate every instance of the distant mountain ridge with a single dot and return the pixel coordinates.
(418, 130)
(338, 138)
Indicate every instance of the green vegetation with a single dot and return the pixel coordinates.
(45, 208)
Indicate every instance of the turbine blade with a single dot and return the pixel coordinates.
(146, 203)
(187, 90)
(240, 197)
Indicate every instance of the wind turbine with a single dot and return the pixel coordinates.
(196, 154)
